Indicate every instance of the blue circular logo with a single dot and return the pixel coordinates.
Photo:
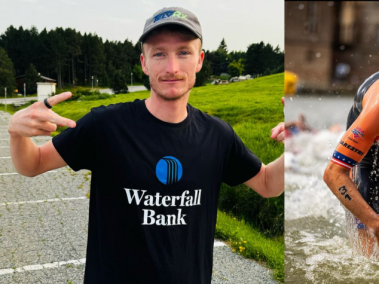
(169, 170)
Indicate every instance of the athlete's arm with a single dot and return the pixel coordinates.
(269, 182)
(352, 148)
(36, 120)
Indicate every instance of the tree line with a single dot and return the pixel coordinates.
(72, 58)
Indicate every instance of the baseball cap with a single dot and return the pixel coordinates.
(172, 16)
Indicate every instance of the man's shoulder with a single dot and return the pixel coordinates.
(211, 121)
(115, 109)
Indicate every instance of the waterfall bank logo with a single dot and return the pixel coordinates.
(169, 170)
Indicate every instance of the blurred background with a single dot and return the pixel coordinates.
(331, 45)
(330, 49)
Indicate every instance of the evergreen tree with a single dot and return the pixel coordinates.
(73, 41)
(203, 75)
(119, 83)
(7, 78)
(31, 79)
(146, 81)
(137, 72)
(223, 46)
(59, 53)
(263, 59)
(254, 61)
(221, 61)
(237, 55)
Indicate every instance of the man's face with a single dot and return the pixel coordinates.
(171, 60)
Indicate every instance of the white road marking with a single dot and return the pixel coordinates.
(42, 266)
(5, 157)
(6, 271)
(42, 201)
(4, 146)
(57, 264)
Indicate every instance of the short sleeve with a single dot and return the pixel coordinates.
(76, 145)
(242, 164)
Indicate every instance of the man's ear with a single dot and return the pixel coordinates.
(143, 64)
(200, 62)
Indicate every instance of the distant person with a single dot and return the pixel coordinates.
(353, 173)
(297, 126)
(157, 164)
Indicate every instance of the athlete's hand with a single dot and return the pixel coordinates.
(277, 132)
(38, 120)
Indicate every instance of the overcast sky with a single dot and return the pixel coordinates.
(240, 23)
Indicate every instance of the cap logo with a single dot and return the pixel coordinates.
(179, 15)
(168, 14)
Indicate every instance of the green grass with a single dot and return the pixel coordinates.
(11, 109)
(250, 243)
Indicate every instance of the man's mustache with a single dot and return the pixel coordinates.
(171, 77)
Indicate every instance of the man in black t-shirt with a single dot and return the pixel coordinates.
(157, 165)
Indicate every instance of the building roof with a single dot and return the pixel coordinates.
(43, 77)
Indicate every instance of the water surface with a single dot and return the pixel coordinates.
(317, 247)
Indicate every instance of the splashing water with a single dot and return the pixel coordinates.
(361, 241)
(323, 244)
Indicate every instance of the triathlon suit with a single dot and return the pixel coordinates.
(357, 149)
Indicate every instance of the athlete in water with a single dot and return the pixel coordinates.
(352, 173)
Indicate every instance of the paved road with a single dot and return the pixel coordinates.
(15, 100)
(43, 228)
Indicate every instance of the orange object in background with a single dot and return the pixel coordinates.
(290, 82)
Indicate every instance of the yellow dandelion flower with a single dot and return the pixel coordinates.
(233, 250)
(244, 242)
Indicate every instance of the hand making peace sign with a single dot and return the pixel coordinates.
(38, 119)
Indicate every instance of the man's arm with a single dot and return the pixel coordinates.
(269, 182)
(36, 120)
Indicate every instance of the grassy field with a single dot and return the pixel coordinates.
(253, 108)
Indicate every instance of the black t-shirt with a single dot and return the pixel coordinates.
(154, 191)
